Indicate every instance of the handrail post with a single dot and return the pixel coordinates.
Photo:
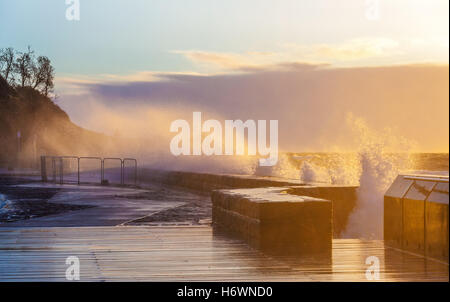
(44, 168)
(54, 169)
(122, 172)
(102, 167)
(78, 159)
(135, 172)
(61, 170)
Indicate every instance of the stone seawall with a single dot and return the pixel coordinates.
(343, 198)
(208, 182)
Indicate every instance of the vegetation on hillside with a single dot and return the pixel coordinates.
(24, 69)
(31, 124)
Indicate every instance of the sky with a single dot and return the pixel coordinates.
(167, 52)
(122, 37)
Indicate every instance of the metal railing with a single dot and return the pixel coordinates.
(57, 170)
(135, 168)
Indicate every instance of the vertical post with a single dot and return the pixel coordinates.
(61, 171)
(54, 169)
(35, 157)
(78, 172)
(135, 172)
(122, 172)
(43, 169)
(19, 148)
(102, 167)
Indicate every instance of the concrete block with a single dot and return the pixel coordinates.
(274, 221)
(342, 197)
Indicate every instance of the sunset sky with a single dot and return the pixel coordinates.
(324, 58)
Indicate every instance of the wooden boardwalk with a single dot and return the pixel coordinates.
(125, 253)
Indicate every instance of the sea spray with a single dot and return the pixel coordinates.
(333, 168)
(285, 168)
(312, 173)
(379, 166)
(346, 169)
(377, 160)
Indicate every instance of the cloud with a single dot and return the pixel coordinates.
(315, 54)
(77, 84)
(231, 61)
(358, 52)
(356, 49)
(223, 60)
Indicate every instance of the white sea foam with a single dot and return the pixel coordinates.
(5, 204)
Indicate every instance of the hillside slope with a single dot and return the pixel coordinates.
(44, 129)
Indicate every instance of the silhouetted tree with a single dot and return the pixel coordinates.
(40, 70)
(7, 57)
(49, 75)
(24, 67)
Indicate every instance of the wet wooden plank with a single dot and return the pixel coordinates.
(192, 253)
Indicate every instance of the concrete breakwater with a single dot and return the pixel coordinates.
(207, 182)
(342, 198)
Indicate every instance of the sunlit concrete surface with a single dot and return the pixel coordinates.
(191, 253)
